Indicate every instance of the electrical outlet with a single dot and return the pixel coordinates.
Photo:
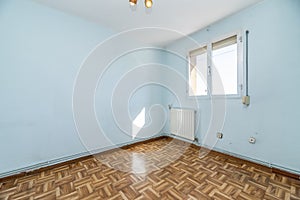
(252, 140)
(219, 135)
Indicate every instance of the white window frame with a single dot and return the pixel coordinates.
(240, 67)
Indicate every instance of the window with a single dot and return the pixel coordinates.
(215, 68)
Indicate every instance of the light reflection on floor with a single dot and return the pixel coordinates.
(143, 161)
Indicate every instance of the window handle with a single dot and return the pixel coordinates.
(209, 70)
(241, 86)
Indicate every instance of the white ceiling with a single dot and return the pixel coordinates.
(185, 16)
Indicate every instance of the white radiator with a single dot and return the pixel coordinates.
(182, 123)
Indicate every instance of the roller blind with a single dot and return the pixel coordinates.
(197, 52)
(224, 43)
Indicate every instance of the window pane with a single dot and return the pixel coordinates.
(224, 70)
(198, 74)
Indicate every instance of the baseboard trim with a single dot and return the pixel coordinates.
(86, 155)
(37, 168)
(254, 162)
(260, 164)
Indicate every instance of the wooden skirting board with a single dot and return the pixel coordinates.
(160, 168)
(257, 165)
(74, 160)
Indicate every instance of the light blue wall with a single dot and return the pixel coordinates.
(41, 50)
(40, 54)
(130, 67)
(274, 113)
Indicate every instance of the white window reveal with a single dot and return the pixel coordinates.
(198, 72)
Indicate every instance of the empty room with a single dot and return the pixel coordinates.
(149, 99)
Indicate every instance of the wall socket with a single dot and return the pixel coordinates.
(252, 140)
(219, 135)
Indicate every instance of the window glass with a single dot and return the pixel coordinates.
(224, 70)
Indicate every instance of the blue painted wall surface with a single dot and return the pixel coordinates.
(41, 51)
(273, 115)
(40, 55)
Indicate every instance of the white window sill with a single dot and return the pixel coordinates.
(227, 97)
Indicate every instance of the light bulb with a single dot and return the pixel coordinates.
(148, 3)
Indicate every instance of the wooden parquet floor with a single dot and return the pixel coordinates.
(161, 169)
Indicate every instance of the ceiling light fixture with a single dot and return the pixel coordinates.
(148, 3)
(132, 2)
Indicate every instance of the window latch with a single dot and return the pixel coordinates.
(241, 39)
(209, 70)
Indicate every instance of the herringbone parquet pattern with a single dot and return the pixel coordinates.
(162, 169)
